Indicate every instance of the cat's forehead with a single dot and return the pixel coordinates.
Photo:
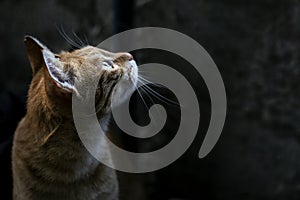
(90, 51)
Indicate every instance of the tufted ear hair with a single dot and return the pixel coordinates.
(39, 56)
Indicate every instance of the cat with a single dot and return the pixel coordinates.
(49, 160)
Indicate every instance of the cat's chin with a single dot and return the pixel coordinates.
(122, 92)
(127, 85)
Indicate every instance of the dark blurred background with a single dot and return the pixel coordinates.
(255, 45)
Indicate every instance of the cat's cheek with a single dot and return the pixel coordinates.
(134, 76)
(133, 73)
(122, 91)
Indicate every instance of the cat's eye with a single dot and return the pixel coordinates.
(108, 64)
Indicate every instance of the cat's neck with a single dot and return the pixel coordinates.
(47, 110)
(50, 112)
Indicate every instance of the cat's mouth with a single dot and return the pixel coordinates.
(133, 63)
(127, 84)
(133, 72)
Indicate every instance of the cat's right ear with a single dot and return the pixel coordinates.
(34, 52)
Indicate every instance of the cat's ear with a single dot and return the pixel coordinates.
(64, 79)
(34, 52)
(39, 55)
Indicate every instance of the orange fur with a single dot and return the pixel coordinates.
(49, 160)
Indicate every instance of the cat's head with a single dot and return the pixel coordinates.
(73, 72)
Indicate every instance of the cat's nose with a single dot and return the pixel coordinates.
(125, 56)
(129, 56)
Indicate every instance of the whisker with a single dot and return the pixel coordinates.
(156, 94)
(149, 82)
(142, 98)
(149, 96)
(159, 96)
(86, 40)
(67, 38)
(78, 39)
(70, 40)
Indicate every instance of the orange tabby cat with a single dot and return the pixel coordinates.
(49, 160)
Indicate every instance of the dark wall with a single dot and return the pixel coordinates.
(255, 45)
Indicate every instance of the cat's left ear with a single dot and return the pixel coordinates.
(64, 79)
(39, 55)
